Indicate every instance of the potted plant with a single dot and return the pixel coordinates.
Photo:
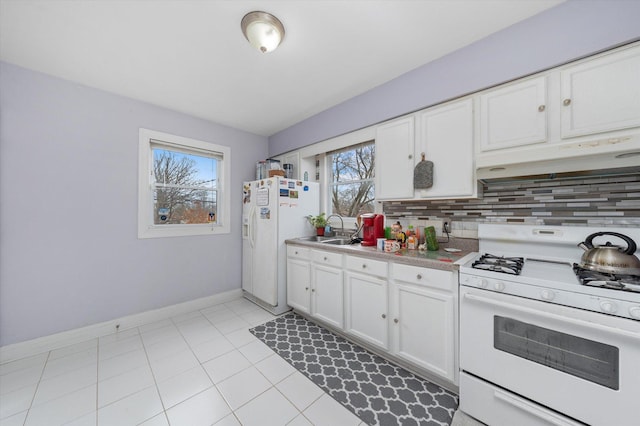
(319, 222)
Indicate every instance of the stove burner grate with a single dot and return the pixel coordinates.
(507, 265)
(607, 280)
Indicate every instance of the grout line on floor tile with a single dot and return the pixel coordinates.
(35, 392)
(98, 378)
(155, 381)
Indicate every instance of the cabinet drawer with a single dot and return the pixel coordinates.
(494, 405)
(433, 278)
(367, 266)
(298, 252)
(326, 258)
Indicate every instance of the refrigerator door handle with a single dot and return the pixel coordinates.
(252, 224)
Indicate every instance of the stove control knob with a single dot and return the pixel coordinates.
(498, 286)
(547, 295)
(634, 311)
(483, 283)
(608, 307)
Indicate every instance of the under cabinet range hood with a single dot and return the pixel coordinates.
(550, 158)
(580, 174)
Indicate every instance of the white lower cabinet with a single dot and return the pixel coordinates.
(327, 287)
(424, 306)
(326, 294)
(315, 284)
(366, 301)
(299, 278)
(406, 312)
(423, 328)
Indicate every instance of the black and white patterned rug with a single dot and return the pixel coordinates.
(377, 391)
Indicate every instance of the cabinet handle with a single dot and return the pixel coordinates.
(325, 258)
(296, 252)
(384, 316)
(566, 102)
(364, 265)
(419, 276)
(306, 288)
(313, 290)
(541, 108)
(410, 156)
(396, 320)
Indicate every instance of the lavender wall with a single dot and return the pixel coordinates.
(566, 32)
(69, 251)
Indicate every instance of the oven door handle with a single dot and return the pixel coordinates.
(591, 325)
(527, 407)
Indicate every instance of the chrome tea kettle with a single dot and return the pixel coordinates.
(610, 258)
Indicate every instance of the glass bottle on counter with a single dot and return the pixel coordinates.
(412, 242)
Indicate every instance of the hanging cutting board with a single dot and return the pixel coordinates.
(423, 174)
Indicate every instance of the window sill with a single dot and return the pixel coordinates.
(165, 231)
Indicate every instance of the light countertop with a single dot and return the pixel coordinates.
(439, 259)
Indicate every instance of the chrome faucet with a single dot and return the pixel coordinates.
(341, 222)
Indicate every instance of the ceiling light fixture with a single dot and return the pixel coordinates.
(263, 30)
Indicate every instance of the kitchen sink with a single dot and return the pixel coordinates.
(316, 238)
(338, 241)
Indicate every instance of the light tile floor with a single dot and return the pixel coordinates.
(200, 368)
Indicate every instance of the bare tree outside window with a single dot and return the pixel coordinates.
(352, 187)
(185, 188)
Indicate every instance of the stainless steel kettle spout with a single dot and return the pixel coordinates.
(584, 246)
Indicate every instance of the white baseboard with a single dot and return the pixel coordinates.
(70, 337)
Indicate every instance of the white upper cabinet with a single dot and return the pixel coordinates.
(601, 94)
(514, 115)
(588, 120)
(394, 159)
(446, 138)
(576, 117)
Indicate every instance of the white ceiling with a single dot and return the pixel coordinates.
(190, 55)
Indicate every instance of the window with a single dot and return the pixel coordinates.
(352, 179)
(183, 186)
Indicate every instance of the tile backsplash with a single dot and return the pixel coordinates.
(608, 200)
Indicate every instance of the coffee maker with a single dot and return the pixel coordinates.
(372, 228)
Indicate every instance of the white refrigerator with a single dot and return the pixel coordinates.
(273, 210)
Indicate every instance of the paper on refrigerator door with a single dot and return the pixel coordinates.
(262, 197)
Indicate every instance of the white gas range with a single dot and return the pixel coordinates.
(537, 346)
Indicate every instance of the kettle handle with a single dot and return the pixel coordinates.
(631, 245)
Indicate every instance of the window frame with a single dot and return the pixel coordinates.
(148, 139)
(328, 159)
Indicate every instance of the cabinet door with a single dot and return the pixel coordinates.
(602, 94)
(514, 115)
(394, 159)
(446, 138)
(423, 326)
(366, 308)
(327, 294)
(299, 284)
